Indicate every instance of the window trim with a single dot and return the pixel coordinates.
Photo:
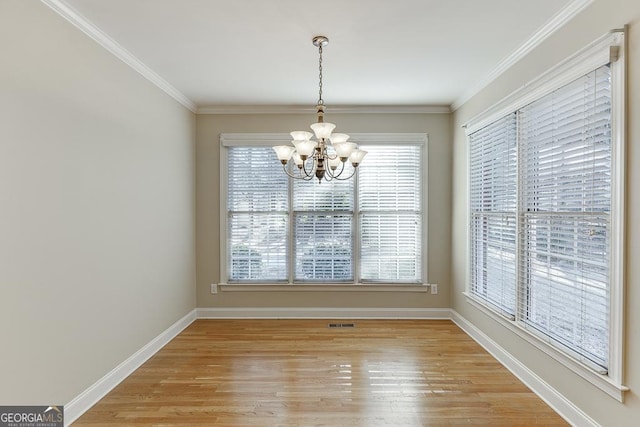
(271, 139)
(610, 48)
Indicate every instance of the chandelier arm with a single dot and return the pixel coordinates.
(304, 166)
(304, 177)
(346, 177)
(284, 168)
(332, 172)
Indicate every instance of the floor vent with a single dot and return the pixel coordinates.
(342, 325)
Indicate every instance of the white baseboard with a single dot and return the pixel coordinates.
(551, 396)
(78, 406)
(322, 313)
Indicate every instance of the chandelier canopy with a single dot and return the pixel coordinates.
(326, 156)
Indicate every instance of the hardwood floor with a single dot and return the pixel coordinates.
(303, 373)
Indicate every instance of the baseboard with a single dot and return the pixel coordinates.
(551, 396)
(322, 313)
(78, 406)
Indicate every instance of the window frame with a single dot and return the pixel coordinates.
(608, 49)
(365, 139)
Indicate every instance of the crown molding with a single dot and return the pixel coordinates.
(555, 23)
(592, 56)
(338, 109)
(84, 25)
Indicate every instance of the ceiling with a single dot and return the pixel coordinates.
(236, 53)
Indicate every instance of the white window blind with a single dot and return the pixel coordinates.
(258, 216)
(365, 229)
(323, 229)
(493, 190)
(390, 203)
(566, 203)
(544, 173)
(570, 211)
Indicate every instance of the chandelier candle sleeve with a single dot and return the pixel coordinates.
(324, 157)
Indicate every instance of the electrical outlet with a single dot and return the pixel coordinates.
(434, 288)
(214, 288)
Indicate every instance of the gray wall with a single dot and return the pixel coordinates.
(97, 208)
(600, 17)
(209, 128)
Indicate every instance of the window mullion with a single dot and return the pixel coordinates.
(617, 223)
(291, 253)
(520, 284)
(357, 238)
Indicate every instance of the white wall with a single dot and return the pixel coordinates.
(97, 208)
(600, 17)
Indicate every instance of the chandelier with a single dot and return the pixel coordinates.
(326, 156)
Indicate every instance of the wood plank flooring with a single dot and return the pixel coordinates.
(302, 373)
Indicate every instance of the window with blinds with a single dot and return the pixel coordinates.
(365, 229)
(493, 184)
(390, 204)
(323, 230)
(565, 140)
(258, 216)
(540, 211)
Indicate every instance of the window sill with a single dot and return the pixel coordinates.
(322, 287)
(602, 381)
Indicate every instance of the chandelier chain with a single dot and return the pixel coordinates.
(320, 100)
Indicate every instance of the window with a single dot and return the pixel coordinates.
(390, 203)
(258, 216)
(565, 212)
(368, 229)
(546, 213)
(493, 213)
(322, 230)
